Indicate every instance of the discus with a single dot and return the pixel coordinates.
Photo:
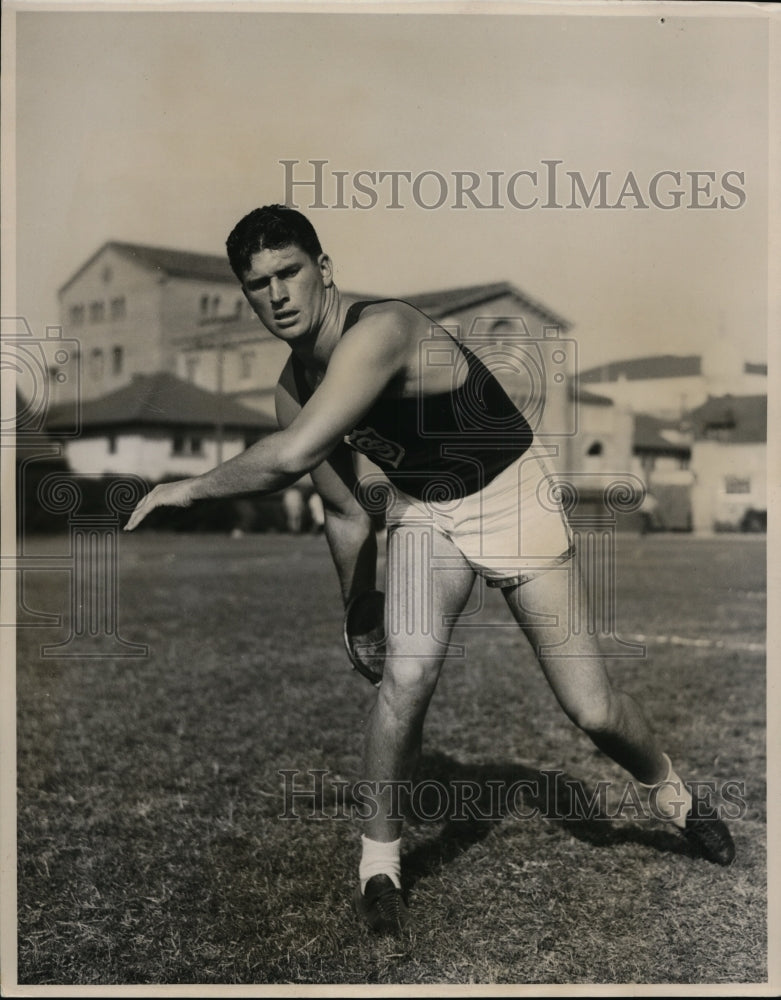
(364, 634)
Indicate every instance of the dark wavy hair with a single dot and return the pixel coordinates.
(269, 228)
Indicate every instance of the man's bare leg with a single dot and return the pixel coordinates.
(420, 600)
(611, 718)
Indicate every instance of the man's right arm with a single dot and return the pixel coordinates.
(349, 530)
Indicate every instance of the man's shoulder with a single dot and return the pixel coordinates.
(387, 309)
(397, 321)
(383, 333)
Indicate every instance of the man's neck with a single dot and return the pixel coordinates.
(316, 354)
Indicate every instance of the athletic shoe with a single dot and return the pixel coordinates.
(381, 906)
(707, 833)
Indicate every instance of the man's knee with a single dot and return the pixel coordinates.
(594, 715)
(409, 680)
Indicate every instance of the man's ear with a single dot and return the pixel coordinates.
(326, 269)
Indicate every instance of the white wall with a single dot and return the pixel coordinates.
(150, 457)
(610, 426)
(112, 275)
(268, 359)
(712, 462)
(669, 397)
(662, 397)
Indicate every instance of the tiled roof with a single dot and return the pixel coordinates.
(215, 267)
(655, 366)
(162, 400)
(174, 263)
(180, 263)
(453, 300)
(736, 419)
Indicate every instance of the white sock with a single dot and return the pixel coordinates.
(670, 799)
(380, 858)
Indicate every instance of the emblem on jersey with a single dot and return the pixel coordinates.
(375, 446)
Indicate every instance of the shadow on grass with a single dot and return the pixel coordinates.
(473, 798)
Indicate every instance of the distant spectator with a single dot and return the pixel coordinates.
(316, 512)
(293, 502)
(245, 517)
(649, 514)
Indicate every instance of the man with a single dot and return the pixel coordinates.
(465, 480)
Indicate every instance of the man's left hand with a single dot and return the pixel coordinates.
(178, 494)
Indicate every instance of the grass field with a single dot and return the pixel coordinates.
(151, 848)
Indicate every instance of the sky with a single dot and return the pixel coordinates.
(166, 127)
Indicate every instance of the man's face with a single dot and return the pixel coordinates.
(286, 288)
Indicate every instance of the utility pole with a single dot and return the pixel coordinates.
(220, 431)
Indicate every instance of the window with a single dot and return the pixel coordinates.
(239, 306)
(107, 275)
(737, 484)
(204, 304)
(112, 444)
(118, 307)
(97, 312)
(191, 368)
(216, 304)
(184, 445)
(721, 428)
(76, 315)
(96, 364)
(245, 364)
(117, 358)
(718, 432)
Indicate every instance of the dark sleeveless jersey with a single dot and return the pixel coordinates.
(446, 445)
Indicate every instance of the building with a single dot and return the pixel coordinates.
(661, 448)
(159, 427)
(603, 442)
(661, 457)
(524, 340)
(129, 305)
(667, 385)
(729, 461)
(151, 321)
(137, 310)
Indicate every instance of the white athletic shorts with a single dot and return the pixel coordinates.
(509, 532)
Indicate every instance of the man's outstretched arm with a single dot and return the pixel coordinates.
(263, 468)
(281, 458)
